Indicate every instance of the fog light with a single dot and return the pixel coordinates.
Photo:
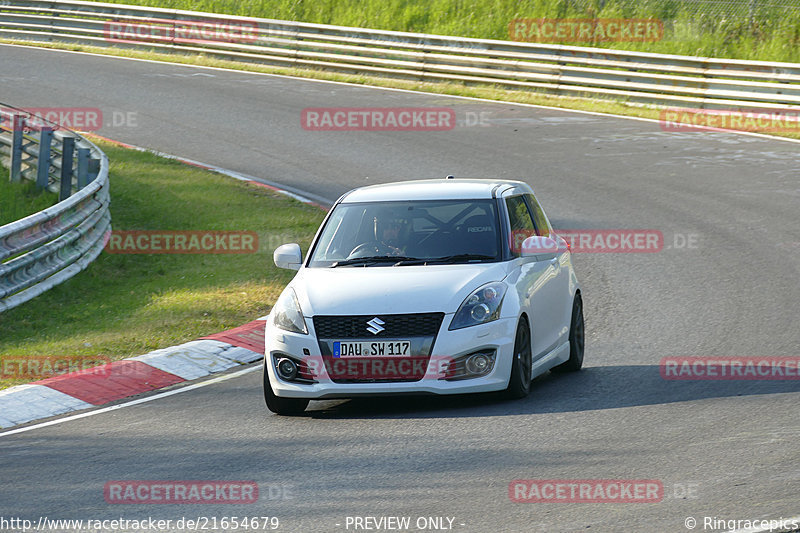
(477, 364)
(287, 369)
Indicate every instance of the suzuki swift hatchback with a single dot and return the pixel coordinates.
(426, 287)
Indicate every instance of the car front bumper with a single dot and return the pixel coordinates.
(498, 335)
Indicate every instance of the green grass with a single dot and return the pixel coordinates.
(18, 200)
(703, 28)
(127, 305)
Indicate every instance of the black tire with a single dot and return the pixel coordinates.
(576, 339)
(281, 406)
(519, 384)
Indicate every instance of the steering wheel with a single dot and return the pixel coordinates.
(372, 248)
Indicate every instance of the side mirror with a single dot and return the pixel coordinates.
(540, 248)
(288, 256)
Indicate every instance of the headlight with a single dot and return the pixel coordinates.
(480, 307)
(287, 313)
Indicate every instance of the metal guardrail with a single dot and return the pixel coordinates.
(49, 247)
(640, 77)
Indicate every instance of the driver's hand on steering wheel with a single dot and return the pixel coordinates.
(393, 250)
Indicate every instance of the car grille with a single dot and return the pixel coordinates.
(396, 326)
(419, 328)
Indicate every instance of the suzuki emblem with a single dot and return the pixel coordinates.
(375, 326)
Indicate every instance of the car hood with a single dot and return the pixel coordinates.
(391, 290)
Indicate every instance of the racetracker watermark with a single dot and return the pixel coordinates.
(353, 365)
(730, 368)
(181, 31)
(613, 240)
(755, 120)
(598, 241)
(73, 118)
(182, 242)
(597, 30)
(44, 366)
(378, 119)
(369, 360)
(586, 491)
(180, 492)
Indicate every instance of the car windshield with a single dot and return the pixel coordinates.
(408, 233)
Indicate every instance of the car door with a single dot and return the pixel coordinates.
(537, 282)
(562, 303)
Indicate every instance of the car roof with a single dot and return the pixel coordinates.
(434, 189)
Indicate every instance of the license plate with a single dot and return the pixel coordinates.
(372, 349)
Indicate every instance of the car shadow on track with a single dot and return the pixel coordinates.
(593, 388)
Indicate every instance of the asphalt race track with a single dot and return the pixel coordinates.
(723, 449)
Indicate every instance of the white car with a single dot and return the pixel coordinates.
(445, 286)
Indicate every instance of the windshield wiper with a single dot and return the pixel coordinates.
(458, 258)
(373, 259)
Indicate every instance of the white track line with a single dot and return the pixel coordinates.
(349, 84)
(311, 198)
(133, 402)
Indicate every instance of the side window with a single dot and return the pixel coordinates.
(542, 227)
(520, 221)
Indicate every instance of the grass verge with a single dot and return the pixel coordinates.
(742, 29)
(18, 200)
(127, 305)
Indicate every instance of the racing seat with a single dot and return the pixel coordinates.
(478, 235)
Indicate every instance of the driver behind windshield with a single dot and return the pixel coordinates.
(388, 233)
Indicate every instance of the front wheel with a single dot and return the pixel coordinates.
(576, 334)
(519, 385)
(278, 405)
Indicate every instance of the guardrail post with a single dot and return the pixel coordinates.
(424, 54)
(83, 167)
(94, 169)
(17, 127)
(68, 148)
(43, 160)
